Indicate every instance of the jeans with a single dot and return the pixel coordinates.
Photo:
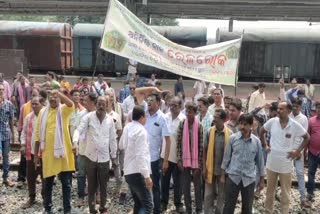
(188, 177)
(231, 195)
(299, 167)
(313, 162)
(5, 157)
(142, 197)
(66, 179)
(155, 168)
(173, 171)
(22, 171)
(81, 176)
(97, 174)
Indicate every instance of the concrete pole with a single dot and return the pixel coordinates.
(230, 24)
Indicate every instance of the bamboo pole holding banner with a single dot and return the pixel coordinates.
(237, 70)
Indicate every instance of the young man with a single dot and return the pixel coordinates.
(218, 137)
(6, 134)
(28, 150)
(174, 118)
(235, 108)
(190, 156)
(101, 143)
(299, 163)
(137, 163)
(283, 131)
(243, 154)
(205, 117)
(53, 138)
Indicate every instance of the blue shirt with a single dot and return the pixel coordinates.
(6, 114)
(241, 159)
(124, 93)
(157, 128)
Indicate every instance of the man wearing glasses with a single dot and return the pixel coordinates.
(174, 118)
(157, 128)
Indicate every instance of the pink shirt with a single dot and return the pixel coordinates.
(7, 90)
(314, 131)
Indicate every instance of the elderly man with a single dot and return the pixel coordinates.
(6, 134)
(53, 138)
(283, 131)
(157, 128)
(101, 143)
(190, 156)
(28, 150)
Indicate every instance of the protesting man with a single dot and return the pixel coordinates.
(218, 137)
(53, 138)
(137, 168)
(242, 156)
(190, 156)
(6, 134)
(28, 135)
(174, 118)
(101, 143)
(217, 95)
(283, 131)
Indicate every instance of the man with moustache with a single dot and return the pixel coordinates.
(28, 150)
(101, 143)
(174, 118)
(53, 139)
(79, 139)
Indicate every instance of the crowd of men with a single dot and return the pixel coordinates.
(151, 138)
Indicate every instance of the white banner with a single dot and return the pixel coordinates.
(127, 36)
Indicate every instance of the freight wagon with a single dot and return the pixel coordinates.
(270, 54)
(47, 46)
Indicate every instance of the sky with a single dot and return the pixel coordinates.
(212, 25)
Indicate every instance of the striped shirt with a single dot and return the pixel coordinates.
(241, 159)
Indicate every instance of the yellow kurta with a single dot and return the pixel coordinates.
(51, 165)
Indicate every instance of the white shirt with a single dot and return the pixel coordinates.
(282, 142)
(213, 107)
(134, 142)
(128, 104)
(24, 133)
(98, 86)
(256, 100)
(199, 86)
(100, 137)
(132, 67)
(173, 126)
(116, 119)
(303, 121)
(82, 139)
(75, 120)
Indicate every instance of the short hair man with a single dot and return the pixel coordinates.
(283, 131)
(243, 154)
